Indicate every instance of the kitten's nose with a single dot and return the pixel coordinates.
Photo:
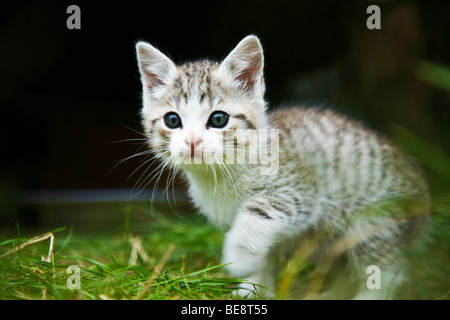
(193, 142)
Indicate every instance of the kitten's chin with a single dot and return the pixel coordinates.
(209, 169)
(197, 167)
(195, 162)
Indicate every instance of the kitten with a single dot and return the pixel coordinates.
(327, 175)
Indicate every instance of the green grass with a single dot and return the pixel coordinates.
(180, 261)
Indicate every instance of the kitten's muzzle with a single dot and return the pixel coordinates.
(192, 143)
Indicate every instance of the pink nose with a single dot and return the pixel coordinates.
(193, 142)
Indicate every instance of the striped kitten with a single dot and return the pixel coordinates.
(329, 178)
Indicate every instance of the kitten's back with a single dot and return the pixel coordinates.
(351, 163)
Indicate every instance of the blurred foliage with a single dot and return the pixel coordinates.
(434, 74)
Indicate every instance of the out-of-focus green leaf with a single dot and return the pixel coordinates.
(434, 74)
(428, 154)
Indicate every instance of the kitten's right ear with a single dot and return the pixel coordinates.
(156, 68)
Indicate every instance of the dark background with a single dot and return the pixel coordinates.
(67, 96)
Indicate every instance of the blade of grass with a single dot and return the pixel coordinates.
(159, 267)
(94, 262)
(33, 241)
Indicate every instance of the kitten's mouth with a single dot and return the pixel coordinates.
(195, 155)
(192, 157)
(192, 151)
(198, 157)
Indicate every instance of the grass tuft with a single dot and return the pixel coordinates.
(167, 266)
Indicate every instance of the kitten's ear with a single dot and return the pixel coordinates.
(245, 64)
(156, 68)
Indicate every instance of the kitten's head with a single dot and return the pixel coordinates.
(193, 110)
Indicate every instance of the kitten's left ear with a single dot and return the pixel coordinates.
(245, 65)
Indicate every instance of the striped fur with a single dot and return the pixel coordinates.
(336, 178)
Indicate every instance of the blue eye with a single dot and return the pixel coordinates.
(172, 120)
(218, 119)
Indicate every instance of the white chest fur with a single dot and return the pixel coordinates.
(216, 199)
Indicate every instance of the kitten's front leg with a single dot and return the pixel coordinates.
(256, 230)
